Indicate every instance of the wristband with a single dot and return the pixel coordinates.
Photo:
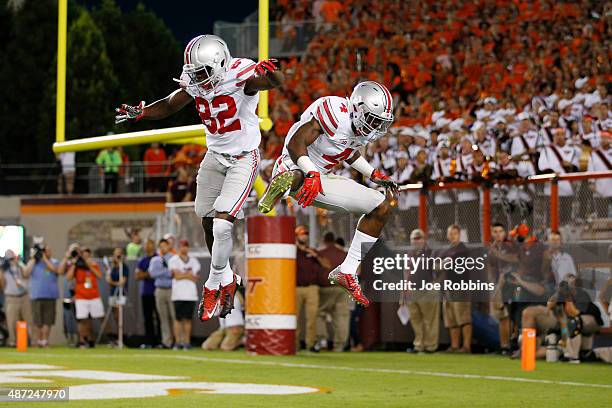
(362, 166)
(306, 165)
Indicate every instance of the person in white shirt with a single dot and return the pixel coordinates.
(467, 198)
(185, 271)
(601, 160)
(65, 180)
(560, 158)
(561, 263)
(525, 142)
(444, 169)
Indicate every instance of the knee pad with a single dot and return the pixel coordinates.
(222, 229)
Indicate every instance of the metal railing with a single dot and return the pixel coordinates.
(88, 178)
(579, 209)
(535, 201)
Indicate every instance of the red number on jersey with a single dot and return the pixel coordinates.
(217, 124)
(333, 160)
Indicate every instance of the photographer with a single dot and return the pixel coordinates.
(526, 287)
(85, 272)
(43, 273)
(577, 316)
(116, 277)
(16, 300)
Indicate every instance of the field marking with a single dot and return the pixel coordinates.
(342, 368)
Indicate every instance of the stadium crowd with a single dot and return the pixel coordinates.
(525, 85)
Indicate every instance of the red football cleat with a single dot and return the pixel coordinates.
(350, 283)
(227, 296)
(210, 303)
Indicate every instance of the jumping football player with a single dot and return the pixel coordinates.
(225, 91)
(329, 132)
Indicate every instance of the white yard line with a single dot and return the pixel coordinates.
(339, 368)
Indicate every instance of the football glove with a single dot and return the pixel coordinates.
(310, 189)
(131, 113)
(263, 67)
(383, 180)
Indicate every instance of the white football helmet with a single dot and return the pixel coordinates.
(371, 110)
(207, 60)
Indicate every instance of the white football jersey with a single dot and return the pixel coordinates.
(337, 142)
(227, 112)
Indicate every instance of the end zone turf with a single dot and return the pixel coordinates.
(188, 379)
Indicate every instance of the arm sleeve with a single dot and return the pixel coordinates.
(100, 158)
(156, 267)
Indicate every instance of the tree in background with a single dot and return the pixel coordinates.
(25, 73)
(113, 57)
(145, 57)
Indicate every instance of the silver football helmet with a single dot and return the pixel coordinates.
(371, 110)
(207, 60)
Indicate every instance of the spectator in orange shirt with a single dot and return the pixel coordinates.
(81, 268)
(154, 168)
(331, 11)
(189, 155)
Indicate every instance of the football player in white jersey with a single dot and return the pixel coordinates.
(225, 91)
(329, 132)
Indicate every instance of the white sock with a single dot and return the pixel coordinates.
(214, 279)
(353, 258)
(221, 251)
(228, 275)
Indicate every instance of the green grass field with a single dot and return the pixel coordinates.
(347, 380)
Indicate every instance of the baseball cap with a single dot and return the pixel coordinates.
(580, 82)
(490, 99)
(523, 116)
(183, 242)
(417, 233)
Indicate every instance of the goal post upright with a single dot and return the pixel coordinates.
(263, 30)
(60, 99)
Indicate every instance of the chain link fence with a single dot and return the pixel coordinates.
(84, 178)
(584, 213)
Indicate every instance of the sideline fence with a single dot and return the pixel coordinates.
(538, 201)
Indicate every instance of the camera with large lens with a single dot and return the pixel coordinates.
(74, 253)
(39, 251)
(509, 288)
(80, 263)
(565, 293)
